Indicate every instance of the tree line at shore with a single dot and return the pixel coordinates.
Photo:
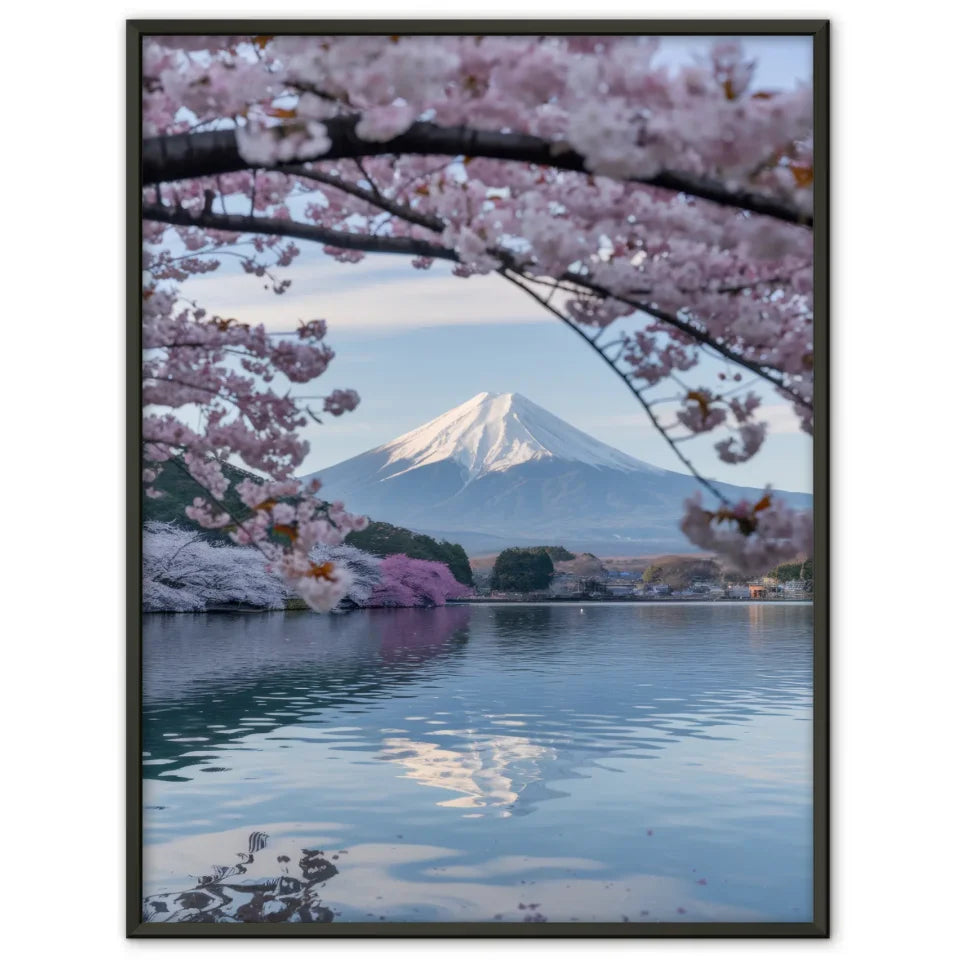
(532, 569)
(185, 572)
(191, 569)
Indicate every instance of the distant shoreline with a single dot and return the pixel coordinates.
(481, 600)
(490, 601)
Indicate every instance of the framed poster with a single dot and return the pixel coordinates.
(478, 538)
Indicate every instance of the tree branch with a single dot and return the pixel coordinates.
(237, 223)
(691, 331)
(409, 246)
(222, 507)
(585, 282)
(436, 224)
(186, 156)
(373, 197)
(504, 272)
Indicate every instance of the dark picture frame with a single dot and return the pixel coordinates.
(819, 927)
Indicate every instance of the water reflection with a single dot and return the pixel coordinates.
(291, 893)
(292, 882)
(523, 622)
(216, 677)
(487, 772)
(658, 744)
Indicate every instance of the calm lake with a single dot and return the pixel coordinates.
(617, 761)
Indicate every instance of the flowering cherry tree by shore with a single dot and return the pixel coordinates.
(405, 582)
(185, 572)
(673, 205)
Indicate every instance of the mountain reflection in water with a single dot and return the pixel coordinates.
(490, 773)
(618, 760)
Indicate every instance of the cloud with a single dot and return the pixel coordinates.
(367, 297)
(779, 417)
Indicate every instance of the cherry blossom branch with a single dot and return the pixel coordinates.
(409, 246)
(584, 282)
(372, 196)
(404, 212)
(366, 176)
(187, 156)
(219, 504)
(238, 223)
(689, 330)
(506, 273)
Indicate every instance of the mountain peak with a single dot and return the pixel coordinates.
(492, 432)
(488, 397)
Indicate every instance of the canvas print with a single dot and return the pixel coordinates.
(478, 578)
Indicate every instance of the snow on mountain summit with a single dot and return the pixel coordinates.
(493, 432)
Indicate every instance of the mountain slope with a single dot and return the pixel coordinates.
(501, 467)
(494, 432)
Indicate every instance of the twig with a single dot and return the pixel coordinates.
(237, 223)
(636, 393)
(219, 505)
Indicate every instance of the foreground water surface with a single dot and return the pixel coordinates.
(621, 761)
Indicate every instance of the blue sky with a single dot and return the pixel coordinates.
(415, 343)
(780, 61)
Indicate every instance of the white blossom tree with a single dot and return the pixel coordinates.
(183, 571)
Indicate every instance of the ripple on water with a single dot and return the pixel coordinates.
(506, 737)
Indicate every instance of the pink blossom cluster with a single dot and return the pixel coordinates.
(703, 411)
(191, 361)
(752, 537)
(405, 582)
(744, 280)
(341, 401)
(604, 96)
(191, 364)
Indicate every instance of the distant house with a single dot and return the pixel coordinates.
(534, 595)
(564, 585)
(737, 591)
(758, 591)
(590, 586)
(658, 589)
(795, 588)
(705, 587)
(620, 589)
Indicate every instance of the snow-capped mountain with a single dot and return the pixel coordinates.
(493, 432)
(499, 470)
